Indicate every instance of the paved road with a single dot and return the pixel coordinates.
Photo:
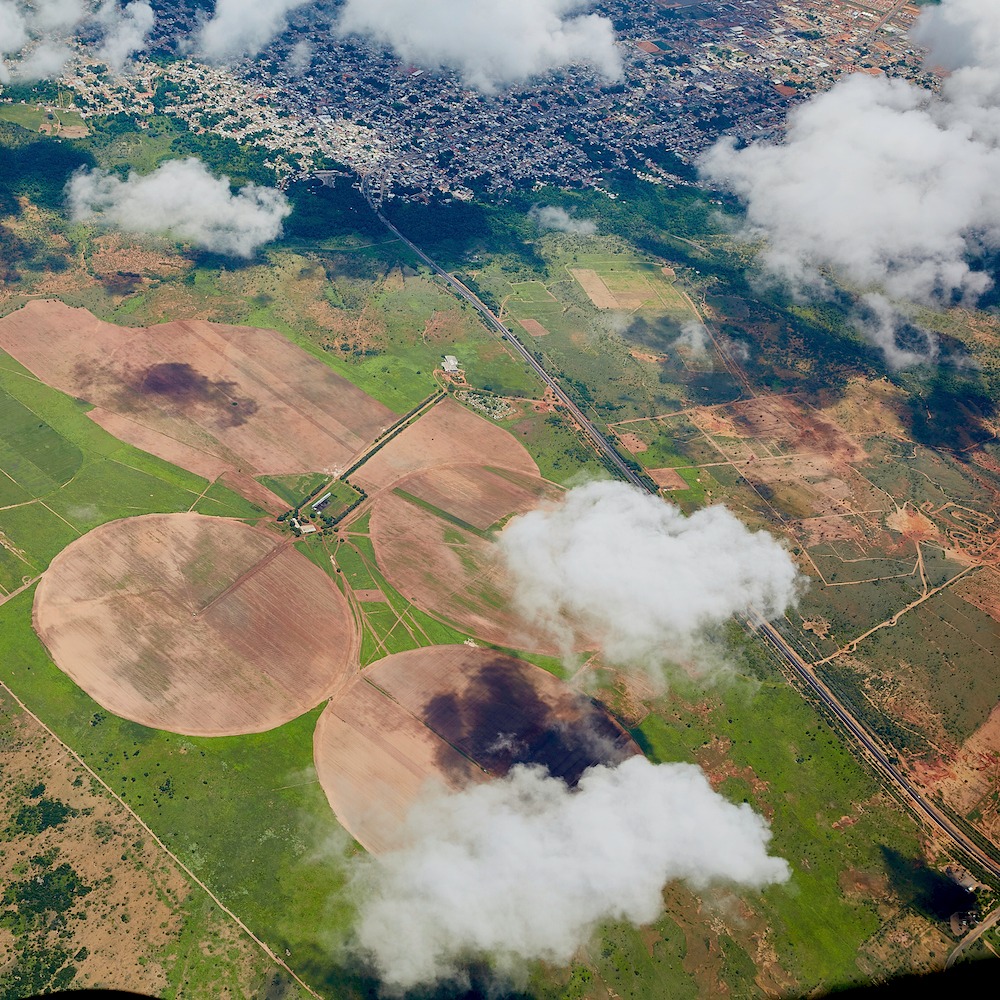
(874, 750)
(872, 747)
(599, 441)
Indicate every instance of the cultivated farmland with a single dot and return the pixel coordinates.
(209, 397)
(452, 715)
(197, 625)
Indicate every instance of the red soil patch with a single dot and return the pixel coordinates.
(912, 524)
(478, 495)
(202, 395)
(633, 443)
(448, 434)
(533, 328)
(668, 479)
(451, 715)
(197, 625)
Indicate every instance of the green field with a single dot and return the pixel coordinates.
(246, 814)
(62, 475)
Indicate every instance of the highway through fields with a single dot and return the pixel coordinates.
(597, 439)
(871, 746)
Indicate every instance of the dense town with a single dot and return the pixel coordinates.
(692, 72)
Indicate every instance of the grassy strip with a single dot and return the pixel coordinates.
(245, 813)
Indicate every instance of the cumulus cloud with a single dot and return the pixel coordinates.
(183, 199)
(524, 868)
(613, 564)
(489, 44)
(694, 337)
(125, 31)
(886, 184)
(237, 28)
(39, 37)
(559, 220)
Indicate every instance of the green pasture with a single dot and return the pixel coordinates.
(62, 475)
(246, 813)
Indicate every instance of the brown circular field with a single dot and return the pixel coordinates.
(433, 539)
(450, 716)
(198, 625)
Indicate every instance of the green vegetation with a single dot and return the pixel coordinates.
(295, 489)
(246, 814)
(63, 475)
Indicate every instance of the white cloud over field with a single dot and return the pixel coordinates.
(558, 220)
(890, 186)
(238, 28)
(523, 868)
(695, 337)
(614, 564)
(36, 39)
(182, 199)
(490, 43)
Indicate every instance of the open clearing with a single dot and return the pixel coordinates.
(197, 625)
(597, 291)
(208, 397)
(448, 434)
(451, 715)
(429, 542)
(533, 328)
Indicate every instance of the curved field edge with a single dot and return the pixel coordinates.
(246, 813)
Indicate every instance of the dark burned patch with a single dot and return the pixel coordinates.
(500, 721)
(180, 384)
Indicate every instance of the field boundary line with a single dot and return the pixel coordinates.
(166, 850)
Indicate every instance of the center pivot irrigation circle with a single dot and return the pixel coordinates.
(198, 625)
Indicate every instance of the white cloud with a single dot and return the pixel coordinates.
(560, 221)
(888, 185)
(694, 336)
(41, 36)
(238, 28)
(183, 199)
(489, 43)
(524, 868)
(43, 61)
(299, 58)
(613, 564)
(125, 31)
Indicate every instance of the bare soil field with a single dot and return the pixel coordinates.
(450, 715)
(478, 495)
(449, 571)
(633, 442)
(196, 625)
(533, 328)
(374, 760)
(448, 434)
(668, 479)
(245, 399)
(597, 291)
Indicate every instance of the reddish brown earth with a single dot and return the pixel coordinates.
(197, 625)
(450, 716)
(448, 567)
(202, 395)
(448, 434)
